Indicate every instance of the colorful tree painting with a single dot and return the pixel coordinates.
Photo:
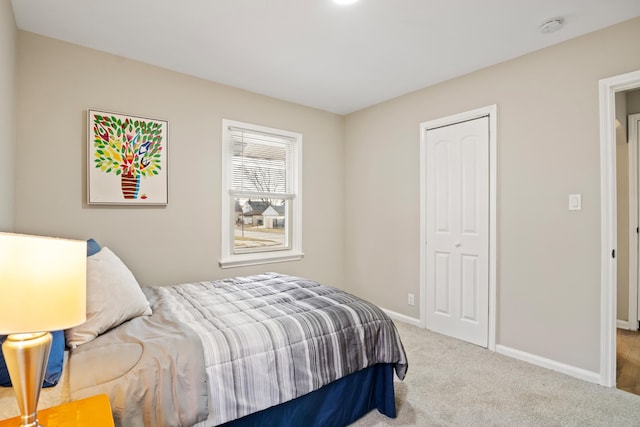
(128, 147)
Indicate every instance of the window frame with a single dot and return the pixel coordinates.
(228, 258)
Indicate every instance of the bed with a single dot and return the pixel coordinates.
(267, 349)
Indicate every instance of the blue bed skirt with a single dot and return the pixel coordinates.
(337, 404)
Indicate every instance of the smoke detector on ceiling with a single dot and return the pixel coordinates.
(552, 25)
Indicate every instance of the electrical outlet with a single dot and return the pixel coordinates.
(411, 299)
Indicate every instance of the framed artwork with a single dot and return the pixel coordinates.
(127, 159)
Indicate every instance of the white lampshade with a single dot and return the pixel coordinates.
(42, 283)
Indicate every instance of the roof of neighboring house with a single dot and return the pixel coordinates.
(258, 207)
(274, 211)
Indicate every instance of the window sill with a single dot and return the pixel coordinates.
(258, 259)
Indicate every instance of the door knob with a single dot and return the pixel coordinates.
(458, 244)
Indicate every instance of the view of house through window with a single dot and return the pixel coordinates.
(261, 203)
(260, 224)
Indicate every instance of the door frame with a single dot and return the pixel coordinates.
(491, 112)
(608, 223)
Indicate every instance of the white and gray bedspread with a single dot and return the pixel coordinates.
(152, 368)
(270, 338)
(216, 351)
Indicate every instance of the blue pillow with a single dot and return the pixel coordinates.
(54, 364)
(93, 247)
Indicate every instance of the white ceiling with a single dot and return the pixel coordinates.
(315, 52)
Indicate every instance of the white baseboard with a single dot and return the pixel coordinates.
(402, 318)
(622, 324)
(583, 374)
(625, 324)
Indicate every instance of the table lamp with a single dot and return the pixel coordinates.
(42, 289)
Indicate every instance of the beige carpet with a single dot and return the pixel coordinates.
(453, 383)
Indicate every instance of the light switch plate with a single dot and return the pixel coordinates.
(575, 202)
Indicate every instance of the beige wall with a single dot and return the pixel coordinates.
(633, 101)
(548, 266)
(8, 44)
(548, 146)
(179, 242)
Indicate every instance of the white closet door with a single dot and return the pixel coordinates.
(457, 230)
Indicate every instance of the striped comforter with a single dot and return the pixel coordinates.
(271, 338)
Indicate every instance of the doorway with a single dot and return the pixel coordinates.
(476, 321)
(608, 226)
(627, 336)
(627, 163)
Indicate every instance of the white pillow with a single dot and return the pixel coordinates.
(113, 297)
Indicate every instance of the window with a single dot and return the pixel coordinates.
(261, 199)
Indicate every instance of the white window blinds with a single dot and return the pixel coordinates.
(262, 164)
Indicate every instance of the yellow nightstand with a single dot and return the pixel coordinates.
(93, 411)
